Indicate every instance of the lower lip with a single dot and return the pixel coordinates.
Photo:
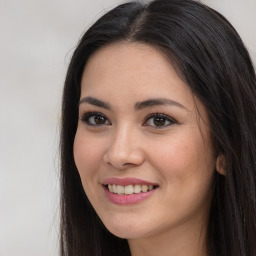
(127, 199)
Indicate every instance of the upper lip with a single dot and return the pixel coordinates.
(127, 181)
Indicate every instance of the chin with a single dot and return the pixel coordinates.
(126, 231)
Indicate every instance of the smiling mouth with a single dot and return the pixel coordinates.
(129, 189)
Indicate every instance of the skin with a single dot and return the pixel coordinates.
(178, 156)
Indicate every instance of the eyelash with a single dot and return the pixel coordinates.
(86, 119)
(162, 116)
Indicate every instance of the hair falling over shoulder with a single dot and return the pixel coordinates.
(211, 57)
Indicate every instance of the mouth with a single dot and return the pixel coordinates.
(129, 189)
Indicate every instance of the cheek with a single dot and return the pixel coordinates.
(184, 162)
(87, 156)
(187, 172)
(174, 154)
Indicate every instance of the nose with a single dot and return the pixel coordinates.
(124, 149)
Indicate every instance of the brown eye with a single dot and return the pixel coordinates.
(159, 121)
(95, 119)
(98, 119)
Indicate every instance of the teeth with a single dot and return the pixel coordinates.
(129, 189)
(120, 189)
(144, 188)
(137, 189)
(110, 188)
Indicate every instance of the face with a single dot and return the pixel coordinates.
(142, 149)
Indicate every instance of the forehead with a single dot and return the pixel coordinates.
(122, 58)
(131, 67)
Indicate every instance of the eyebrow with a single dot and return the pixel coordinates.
(95, 102)
(138, 105)
(158, 102)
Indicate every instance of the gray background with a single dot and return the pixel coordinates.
(37, 38)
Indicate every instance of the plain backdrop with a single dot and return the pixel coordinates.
(37, 38)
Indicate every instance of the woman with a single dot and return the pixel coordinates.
(158, 136)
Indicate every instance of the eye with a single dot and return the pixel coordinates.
(159, 121)
(95, 119)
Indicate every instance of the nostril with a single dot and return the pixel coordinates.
(122, 160)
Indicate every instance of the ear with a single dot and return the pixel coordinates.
(221, 166)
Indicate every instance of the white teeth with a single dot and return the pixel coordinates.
(120, 189)
(137, 189)
(129, 189)
(110, 188)
(144, 188)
